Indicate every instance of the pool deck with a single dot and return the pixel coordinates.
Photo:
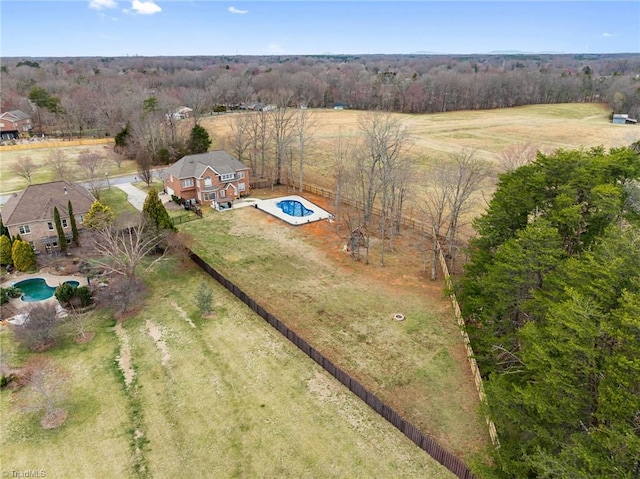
(269, 206)
(53, 280)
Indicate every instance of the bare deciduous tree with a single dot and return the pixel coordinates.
(517, 155)
(379, 168)
(93, 166)
(58, 162)
(24, 167)
(46, 390)
(282, 121)
(468, 174)
(305, 126)
(40, 330)
(122, 293)
(121, 251)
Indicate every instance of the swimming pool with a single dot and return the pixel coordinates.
(37, 289)
(294, 208)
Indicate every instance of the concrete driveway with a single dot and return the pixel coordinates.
(135, 196)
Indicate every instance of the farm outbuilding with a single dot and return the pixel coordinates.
(623, 119)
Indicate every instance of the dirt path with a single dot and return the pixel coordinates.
(124, 359)
(181, 312)
(156, 333)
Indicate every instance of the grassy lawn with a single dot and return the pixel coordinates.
(116, 199)
(12, 182)
(548, 127)
(344, 309)
(222, 396)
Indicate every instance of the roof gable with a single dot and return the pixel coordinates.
(36, 202)
(194, 166)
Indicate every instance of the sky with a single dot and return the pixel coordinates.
(52, 28)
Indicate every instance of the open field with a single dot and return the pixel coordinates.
(345, 309)
(548, 127)
(9, 181)
(222, 396)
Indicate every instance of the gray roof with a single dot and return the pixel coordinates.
(194, 166)
(36, 202)
(18, 114)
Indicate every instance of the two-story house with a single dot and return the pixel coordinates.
(14, 124)
(214, 178)
(30, 212)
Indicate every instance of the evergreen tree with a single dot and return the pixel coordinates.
(99, 216)
(155, 212)
(23, 256)
(74, 226)
(62, 239)
(3, 229)
(199, 141)
(5, 250)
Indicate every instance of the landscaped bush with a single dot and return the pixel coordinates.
(24, 258)
(84, 295)
(65, 293)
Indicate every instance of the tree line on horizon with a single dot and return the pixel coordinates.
(99, 95)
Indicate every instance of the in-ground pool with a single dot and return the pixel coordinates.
(294, 208)
(37, 289)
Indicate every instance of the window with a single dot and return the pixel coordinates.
(33, 245)
(80, 219)
(209, 196)
(207, 181)
(187, 183)
(24, 230)
(240, 174)
(223, 194)
(64, 223)
(226, 177)
(50, 225)
(241, 186)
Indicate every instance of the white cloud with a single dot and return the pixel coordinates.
(237, 10)
(145, 8)
(275, 49)
(100, 4)
(608, 35)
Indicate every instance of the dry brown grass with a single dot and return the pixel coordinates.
(548, 127)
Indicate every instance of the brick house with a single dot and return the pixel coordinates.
(14, 124)
(30, 212)
(214, 178)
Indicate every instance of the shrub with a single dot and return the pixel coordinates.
(5, 250)
(13, 292)
(24, 258)
(84, 295)
(65, 292)
(203, 298)
(4, 296)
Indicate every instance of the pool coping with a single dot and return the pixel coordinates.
(51, 279)
(269, 206)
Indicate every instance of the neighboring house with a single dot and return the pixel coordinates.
(623, 119)
(214, 178)
(182, 113)
(30, 212)
(14, 124)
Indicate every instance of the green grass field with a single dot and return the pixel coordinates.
(344, 310)
(224, 396)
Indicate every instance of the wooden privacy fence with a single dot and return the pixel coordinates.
(467, 344)
(424, 442)
(413, 223)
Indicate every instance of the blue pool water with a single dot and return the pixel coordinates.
(37, 289)
(294, 208)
